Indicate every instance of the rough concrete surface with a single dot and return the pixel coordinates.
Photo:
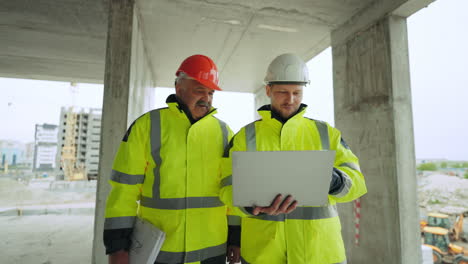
(46, 239)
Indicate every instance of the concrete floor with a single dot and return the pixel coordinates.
(46, 239)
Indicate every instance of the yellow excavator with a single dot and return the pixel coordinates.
(438, 234)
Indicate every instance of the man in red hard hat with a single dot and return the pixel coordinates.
(169, 161)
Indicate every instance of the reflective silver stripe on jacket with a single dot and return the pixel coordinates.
(119, 222)
(323, 131)
(348, 183)
(191, 256)
(169, 203)
(226, 181)
(225, 132)
(303, 213)
(234, 220)
(124, 178)
(350, 165)
(251, 140)
(250, 137)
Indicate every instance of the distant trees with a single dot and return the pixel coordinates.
(433, 166)
(430, 166)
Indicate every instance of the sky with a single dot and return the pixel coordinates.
(438, 45)
(438, 58)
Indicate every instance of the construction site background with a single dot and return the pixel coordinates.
(51, 220)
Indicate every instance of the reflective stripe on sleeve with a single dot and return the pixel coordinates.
(124, 178)
(119, 222)
(350, 165)
(347, 184)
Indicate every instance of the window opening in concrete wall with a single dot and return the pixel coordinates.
(318, 95)
(439, 85)
(47, 199)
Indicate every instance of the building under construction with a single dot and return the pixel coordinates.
(79, 136)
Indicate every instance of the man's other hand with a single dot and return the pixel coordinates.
(233, 254)
(119, 257)
(278, 206)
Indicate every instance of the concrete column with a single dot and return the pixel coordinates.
(128, 93)
(115, 107)
(373, 111)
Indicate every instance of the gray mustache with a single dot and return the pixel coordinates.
(203, 103)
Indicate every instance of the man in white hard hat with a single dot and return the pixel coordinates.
(282, 233)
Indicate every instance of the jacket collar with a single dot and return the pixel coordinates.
(176, 105)
(267, 113)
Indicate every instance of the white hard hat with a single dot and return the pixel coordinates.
(287, 68)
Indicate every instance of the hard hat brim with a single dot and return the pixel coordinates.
(205, 83)
(208, 84)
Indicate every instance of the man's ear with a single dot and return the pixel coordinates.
(178, 87)
(268, 90)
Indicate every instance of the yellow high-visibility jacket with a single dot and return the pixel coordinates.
(173, 168)
(308, 235)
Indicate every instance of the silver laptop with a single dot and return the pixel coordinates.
(258, 176)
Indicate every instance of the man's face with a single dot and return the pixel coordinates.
(195, 96)
(285, 98)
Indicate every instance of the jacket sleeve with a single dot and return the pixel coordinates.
(237, 143)
(346, 168)
(127, 176)
(234, 228)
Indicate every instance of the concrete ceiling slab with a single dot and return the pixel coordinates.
(66, 40)
(53, 40)
(242, 36)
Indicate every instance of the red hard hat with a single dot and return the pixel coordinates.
(202, 69)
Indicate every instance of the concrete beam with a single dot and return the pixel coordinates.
(38, 68)
(373, 111)
(115, 107)
(368, 16)
(411, 7)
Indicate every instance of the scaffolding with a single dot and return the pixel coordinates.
(73, 171)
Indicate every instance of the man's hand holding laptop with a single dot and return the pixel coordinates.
(278, 206)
